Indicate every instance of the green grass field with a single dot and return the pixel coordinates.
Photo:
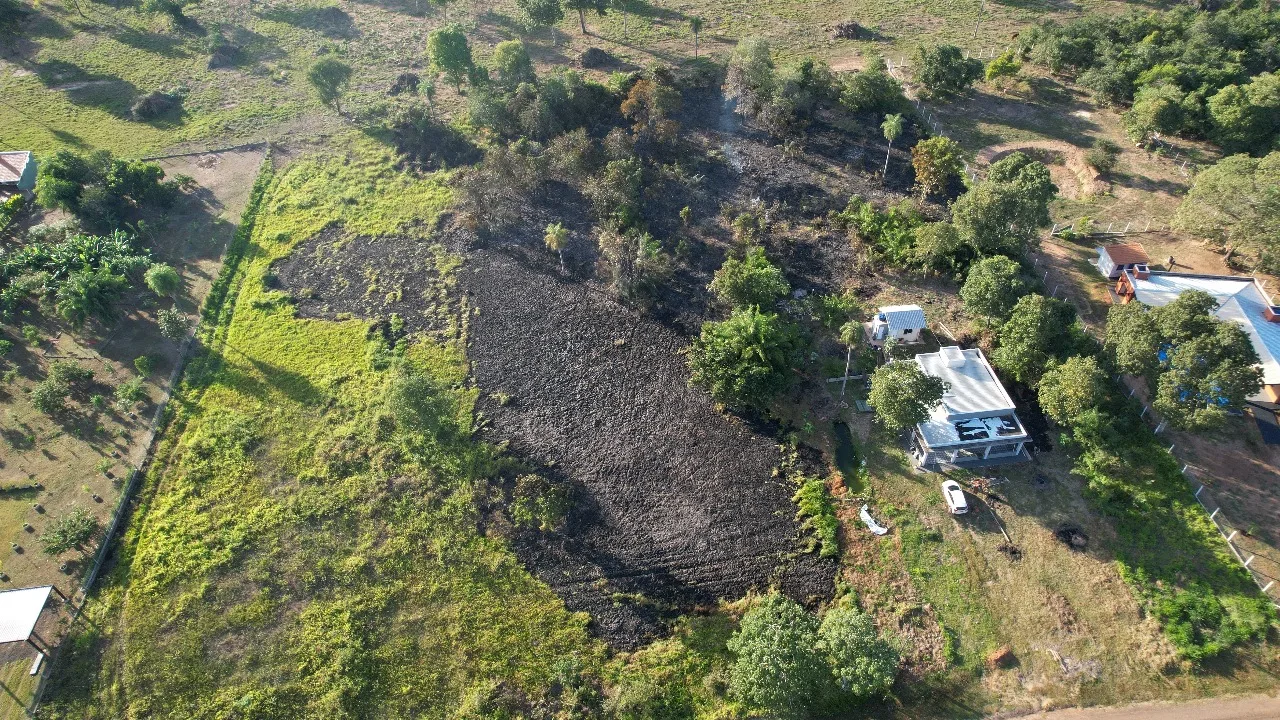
(290, 557)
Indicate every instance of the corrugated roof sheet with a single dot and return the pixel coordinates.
(19, 611)
(1126, 253)
(12, 165)
(903, 317)
(1239, 298)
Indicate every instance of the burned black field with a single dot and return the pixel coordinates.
(676, 504)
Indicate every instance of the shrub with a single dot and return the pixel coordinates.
(1103, 156)
(943, 69)
(10, 208)
(173, 324)
(862, 662)
(145, 365)
(31, 334)
(817, 513)
(750, 281)
(69, 532)
(69, 373)
(155, 104)
(163, 280)
(50, 397)
(129, 393)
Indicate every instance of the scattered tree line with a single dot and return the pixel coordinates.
(1182, 71)
(1236, 204)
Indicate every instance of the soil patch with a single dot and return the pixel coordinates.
(1074, 537)
(678, 507)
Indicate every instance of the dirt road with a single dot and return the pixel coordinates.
(1253, 707)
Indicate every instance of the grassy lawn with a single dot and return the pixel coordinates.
(1076, 632)
(297, 548)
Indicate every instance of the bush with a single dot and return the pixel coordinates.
(69, 532)
(145, 365)
(746, 360)
(10, 208)
(163, 280)
(1103, 156)
(874, 90)
(50, 397)
(943, 69)
(155, 104)
(817, 513)
(129, 393)
(862, 662)
(173, 324)
(751, 281)
(69, 373)
(777, 666)
(539, 503)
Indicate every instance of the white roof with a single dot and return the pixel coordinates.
(976, 403)
(903, 317)
(19, 610)
(1240, 299)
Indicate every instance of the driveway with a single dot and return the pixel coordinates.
(1253, 707)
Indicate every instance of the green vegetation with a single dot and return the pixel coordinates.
(1179, 71)
(903, 395)
(1236, 203)
(944, 70)
(1198, 365)
(751, 281)
(818, 514)
(746, 360)
(368, 558)
(69, 532)
(329, 78)
(1040, 331)
(994, 285)
(1072, 388)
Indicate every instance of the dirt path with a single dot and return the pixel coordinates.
(1255, 707)
(1086, 180)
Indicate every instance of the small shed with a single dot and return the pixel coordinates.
(19, 611)
(1114, 260)
(17, 172)
(902, 323)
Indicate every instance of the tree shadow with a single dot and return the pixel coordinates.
(266, 378)
(330, 21)
(106, 92)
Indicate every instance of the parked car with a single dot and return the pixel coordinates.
(954, 496)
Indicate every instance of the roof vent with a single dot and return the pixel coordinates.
(953, 356)
(1141, 271)
(881, 317)
(1271, 313)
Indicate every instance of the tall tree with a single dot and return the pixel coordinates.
(746, 360)
(510, 61)
(943, 69)
(1132, 340)
(1206, 375)
(776, 665)
(936, 161)
(1070, 389)
(533, 14)
(861, 661)
(993, 287)
(892, 128)
(1237, 203)
(329, 77)
(1002, 214)
(903, 395)
(1039, 331)
(449, 53)
(695, 27)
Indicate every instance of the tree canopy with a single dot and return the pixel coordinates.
(992, 287)
(745, 360)
(777, 666)
(750, 281)
(903, 395)
(329, 77)
(937, 162)
(1002, 214)
(1039, 331)
(943, 69)
(449, 53)
(861, 661)
(1070, 389)
(1237, 203)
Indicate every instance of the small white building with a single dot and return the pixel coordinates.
(901, 323)
(1115, 260)
(976, 424)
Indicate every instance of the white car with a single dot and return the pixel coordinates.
(954, 496)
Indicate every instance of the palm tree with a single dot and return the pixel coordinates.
(850, 332)
(555, 240)
(695, 27)
(892, 128)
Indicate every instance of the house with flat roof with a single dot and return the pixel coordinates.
(17, 173)
(900, 323)
(1113, 260)
(976, 424)
(1240, 299)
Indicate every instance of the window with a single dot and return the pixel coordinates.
(1002, 450)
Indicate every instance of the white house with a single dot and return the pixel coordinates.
(1114, 260)
(1240, 299)
(976, 424)
(902, 323)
